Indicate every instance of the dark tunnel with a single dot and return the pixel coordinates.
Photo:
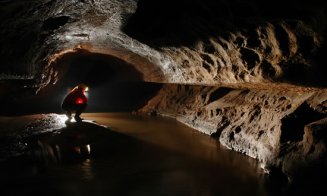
(115, 86)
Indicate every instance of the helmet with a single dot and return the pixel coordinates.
(82, 87)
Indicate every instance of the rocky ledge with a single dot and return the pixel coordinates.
(283, 127)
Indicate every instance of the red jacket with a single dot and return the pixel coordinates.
(75, 97)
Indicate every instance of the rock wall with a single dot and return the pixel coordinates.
(176, 41)
(249, 73)
(52, 29)
(236, 42)
(261, 123)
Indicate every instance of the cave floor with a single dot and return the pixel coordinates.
(121, 154)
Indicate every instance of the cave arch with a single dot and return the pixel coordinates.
(115, 84)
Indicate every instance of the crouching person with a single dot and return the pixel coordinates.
(75, 101)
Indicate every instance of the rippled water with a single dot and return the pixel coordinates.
(134, 155)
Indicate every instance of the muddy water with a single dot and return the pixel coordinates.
(132, 155)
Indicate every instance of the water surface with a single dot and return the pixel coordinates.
(133, 155)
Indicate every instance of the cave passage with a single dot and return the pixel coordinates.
(115, 86)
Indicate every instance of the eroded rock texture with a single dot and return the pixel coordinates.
(199, 42)
(282, 127)
(235, 42)
(269, 56)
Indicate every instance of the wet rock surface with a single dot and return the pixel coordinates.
(247, 74)
(273, 125)
(14, 142)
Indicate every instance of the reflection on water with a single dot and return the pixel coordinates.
(138, 156)
(86, 167)
(47, 154)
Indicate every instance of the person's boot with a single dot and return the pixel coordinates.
(78, 119)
